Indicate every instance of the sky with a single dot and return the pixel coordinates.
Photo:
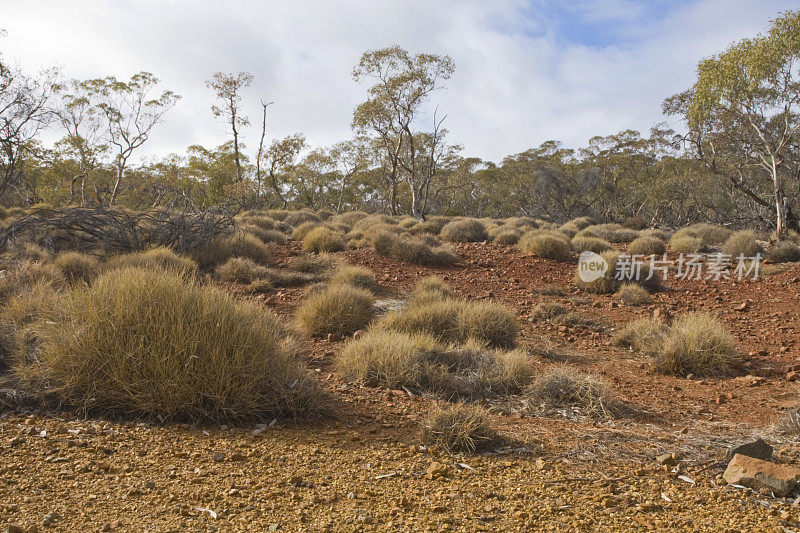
(527, 71)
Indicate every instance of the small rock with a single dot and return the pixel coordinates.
(218, 457)
(333, 337)
(758, 449)
(744, 306)
(667, 459)
(15, 528)
(437, 469)
(758, 474)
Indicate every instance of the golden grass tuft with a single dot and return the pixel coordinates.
(742, 243)
(644, 335)
(161, 258)
(77, 267)
(592, 244)
(148, 342)
(697, 343)
(567, 387)
(464, 230)
(633, 294)
(459, 428)
(322, 239)
(784, 252)
(412, 249)
(546, 246)
(686, 244)
(241, 270)
(355, 276)
(338, 310)
(647, 245)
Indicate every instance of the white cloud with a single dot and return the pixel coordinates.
(521, 78)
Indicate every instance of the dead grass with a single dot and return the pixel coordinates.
(686, 244)
(220, 249)
(300, 232)
(592, 244)
(322, 239)
(644, 335)
(265, 235)
(412, 249)
(77, 267)
(338, 310)
(784, 252)
(319, 264)
(459, 428)
(148, 342)
(566, 387)
(22, 276)
(547, 311)
(507, 237)
(464, 230)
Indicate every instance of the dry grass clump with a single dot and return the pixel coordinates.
(241, 270)
(25, 274)
(220, 249)
(322, 239)
(592, 244)
(257, 219)
(710, 234)
(412, 249)
(548, 311)
(260, 286)
(348, 219)
(611, 232)
(460, 428)
(686, 244)
(655, 233)
(633, 294)
(431, 288)
(77, 267)
(318, 264)
(281, 277)
(338, 310)
(647, 245)
(609, 283)
(784, 252)
(464, 230)
(422, 363)
(265, 235)
(295, 218)
(161, 257)
(546, 246)
(299, 232)
(150, 343)
(454, 320)
(636, 222)
(506, 236)
(742, 243)
(355, 276)
(431, 226)
(697, 343)
(567, 387)
(644, 335)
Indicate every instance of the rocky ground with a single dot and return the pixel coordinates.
(364, 468)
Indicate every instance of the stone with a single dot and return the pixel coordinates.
(757, 449)
(667, 459)
(437, 469)
(15, 528)
(759, 474)
(218, 457)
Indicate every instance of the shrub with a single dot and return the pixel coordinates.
(322, 239)
(420, 362)
(548, 310)
(567, 387)
(355, 276)
(241, 270)
(633, 294)
(655, 233)
(592, 244)
(508, 237)
(260, 286)
(742, 243)
(162, 258)
(318, 264)
(261, 221)
(546, 246)
(465, 230)
(77, 267)
(708, 233)
(686, 244)
(784, 252)
(299, 232)
(338, 310)
(348, 219)
(610, 283)
(697, 343)
(459, 428)
(141, 342)
(453, 320)
(647, 246)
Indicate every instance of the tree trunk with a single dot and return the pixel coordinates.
(115, 191)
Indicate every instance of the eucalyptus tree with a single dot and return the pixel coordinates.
(227, 88)
(742, 113)
(401, 86)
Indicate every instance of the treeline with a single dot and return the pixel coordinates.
(739, 163)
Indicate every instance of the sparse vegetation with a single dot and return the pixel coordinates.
(241, 270)
(359, 277)
(647, 246)
(784, 252)
(322, 239)
(77, 267)
(466, 230)
(742, 243)
(633, 294)
(697, 343)
(546, 246)
(566, 387)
